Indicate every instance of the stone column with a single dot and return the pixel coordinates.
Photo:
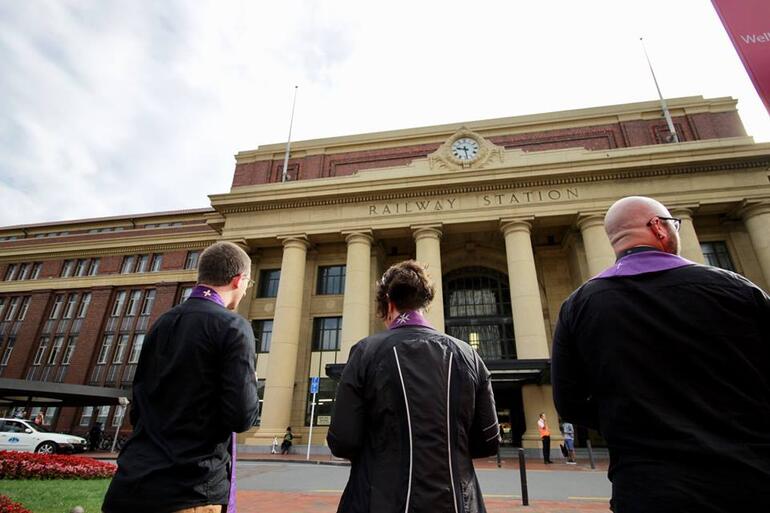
(279, 387)
(356, 304)
(756, 217)
(689, 243)
(244, 307)
(528, 321)
(599, 253)
(428, 252)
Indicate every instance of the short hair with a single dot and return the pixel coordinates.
(406, 285)
(221, 262)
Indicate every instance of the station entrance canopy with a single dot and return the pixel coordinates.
(20, 392)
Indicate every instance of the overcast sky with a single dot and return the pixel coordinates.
(116, 107)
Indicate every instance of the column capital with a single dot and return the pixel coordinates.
(684, 211)
(298, 240)
(427, 231)
(516, 224)
(358, 236)
(751, 208)
(589, 220)
(241, 243)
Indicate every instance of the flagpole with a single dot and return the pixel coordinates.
(666, 113)
(285, 173)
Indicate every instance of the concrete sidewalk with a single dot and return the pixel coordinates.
(317, 502)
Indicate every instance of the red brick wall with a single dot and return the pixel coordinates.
(600, 137)
(174, 260)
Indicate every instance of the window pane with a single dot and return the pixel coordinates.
(263, 334)
(105, 350)
(120, 349)
(157, 261)
(57, 306)
(142, 263)
(128, 265)
(268, 283)
(85, 416)
(136, 349)
(149, 300)
(326, 333)
(717, 255)
(117, 307)
(331, 280)
(192, 260)
(93, 268)
(324, 402)
(84, 303)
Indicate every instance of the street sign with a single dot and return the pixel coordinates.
(314, 382)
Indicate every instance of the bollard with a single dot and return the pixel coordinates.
(498, 458)
(590, 454)
(523, 473)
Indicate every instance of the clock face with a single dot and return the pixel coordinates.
(465, 149)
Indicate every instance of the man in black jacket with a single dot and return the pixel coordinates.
(194, 387)
(413, 407)
(670, 361)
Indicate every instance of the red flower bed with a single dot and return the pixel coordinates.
(8, 506)
(25, 465)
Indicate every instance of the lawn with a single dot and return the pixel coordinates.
(56, 495)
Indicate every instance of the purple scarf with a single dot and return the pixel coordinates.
(410, 318)
(643, 261)
(209, 294)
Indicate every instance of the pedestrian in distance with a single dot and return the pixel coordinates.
(95, 436)
(413, 407)
(39, 419)
(569, 441)
(545, 438)
(670, 361)
(194, 388)
(288, 438)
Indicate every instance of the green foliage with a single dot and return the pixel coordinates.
(58, 495)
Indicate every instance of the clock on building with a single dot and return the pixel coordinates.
(465, 149)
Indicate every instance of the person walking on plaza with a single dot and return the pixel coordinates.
(670, 361)
(194, 387)
(569, 441)
(288, 437)
(545, 437)
(95, 436)
(413, 407)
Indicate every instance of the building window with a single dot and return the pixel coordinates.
(331, 280)
(41, 349)
(136, 348)
(10, 310)
(24, 270)
(263, 335)
(24, 308)
(184, 295)
(104, 352)
(717, 255)
(326, 333)
(84, 303)
(67, 268)
(157, 262)
(53, 357)
(7, 352)
(58, 305)
(128, 264)
(93, 267)
(191, 262)
(36, 268)
(69, 350)
(81, 267)
(327, 389)
(133, 303)
(142, 263)
(117, 307)
(102, 412)
(10, 272)
(50, 415)
(268, 282)
(120, 349)
(85, 416)
(261, 396)
(147, 302)
(69, 310)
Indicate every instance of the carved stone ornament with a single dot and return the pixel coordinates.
(464, 150)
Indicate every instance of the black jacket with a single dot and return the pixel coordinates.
(412, 408)
(194, 386)
(673, 367)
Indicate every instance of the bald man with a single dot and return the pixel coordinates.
(670, 361)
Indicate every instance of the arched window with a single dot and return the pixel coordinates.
(477, 309)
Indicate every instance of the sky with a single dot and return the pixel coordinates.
(116, 107)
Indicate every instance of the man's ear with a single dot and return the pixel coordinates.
(236, 281)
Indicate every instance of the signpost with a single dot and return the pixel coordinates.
(314, 382)
(121, 410)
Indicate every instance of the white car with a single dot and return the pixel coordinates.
(25, 435)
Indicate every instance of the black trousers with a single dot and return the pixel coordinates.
(546, 449)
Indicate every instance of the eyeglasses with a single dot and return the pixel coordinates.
(249, 282)
(677, 222)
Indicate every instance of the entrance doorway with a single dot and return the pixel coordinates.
(477, 309)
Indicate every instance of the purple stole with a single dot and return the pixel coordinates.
(410, 318)
(209, 294)
(643, 261)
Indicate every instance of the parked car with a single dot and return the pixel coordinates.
(25, 435)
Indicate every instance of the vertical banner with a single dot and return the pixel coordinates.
(748, 24)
